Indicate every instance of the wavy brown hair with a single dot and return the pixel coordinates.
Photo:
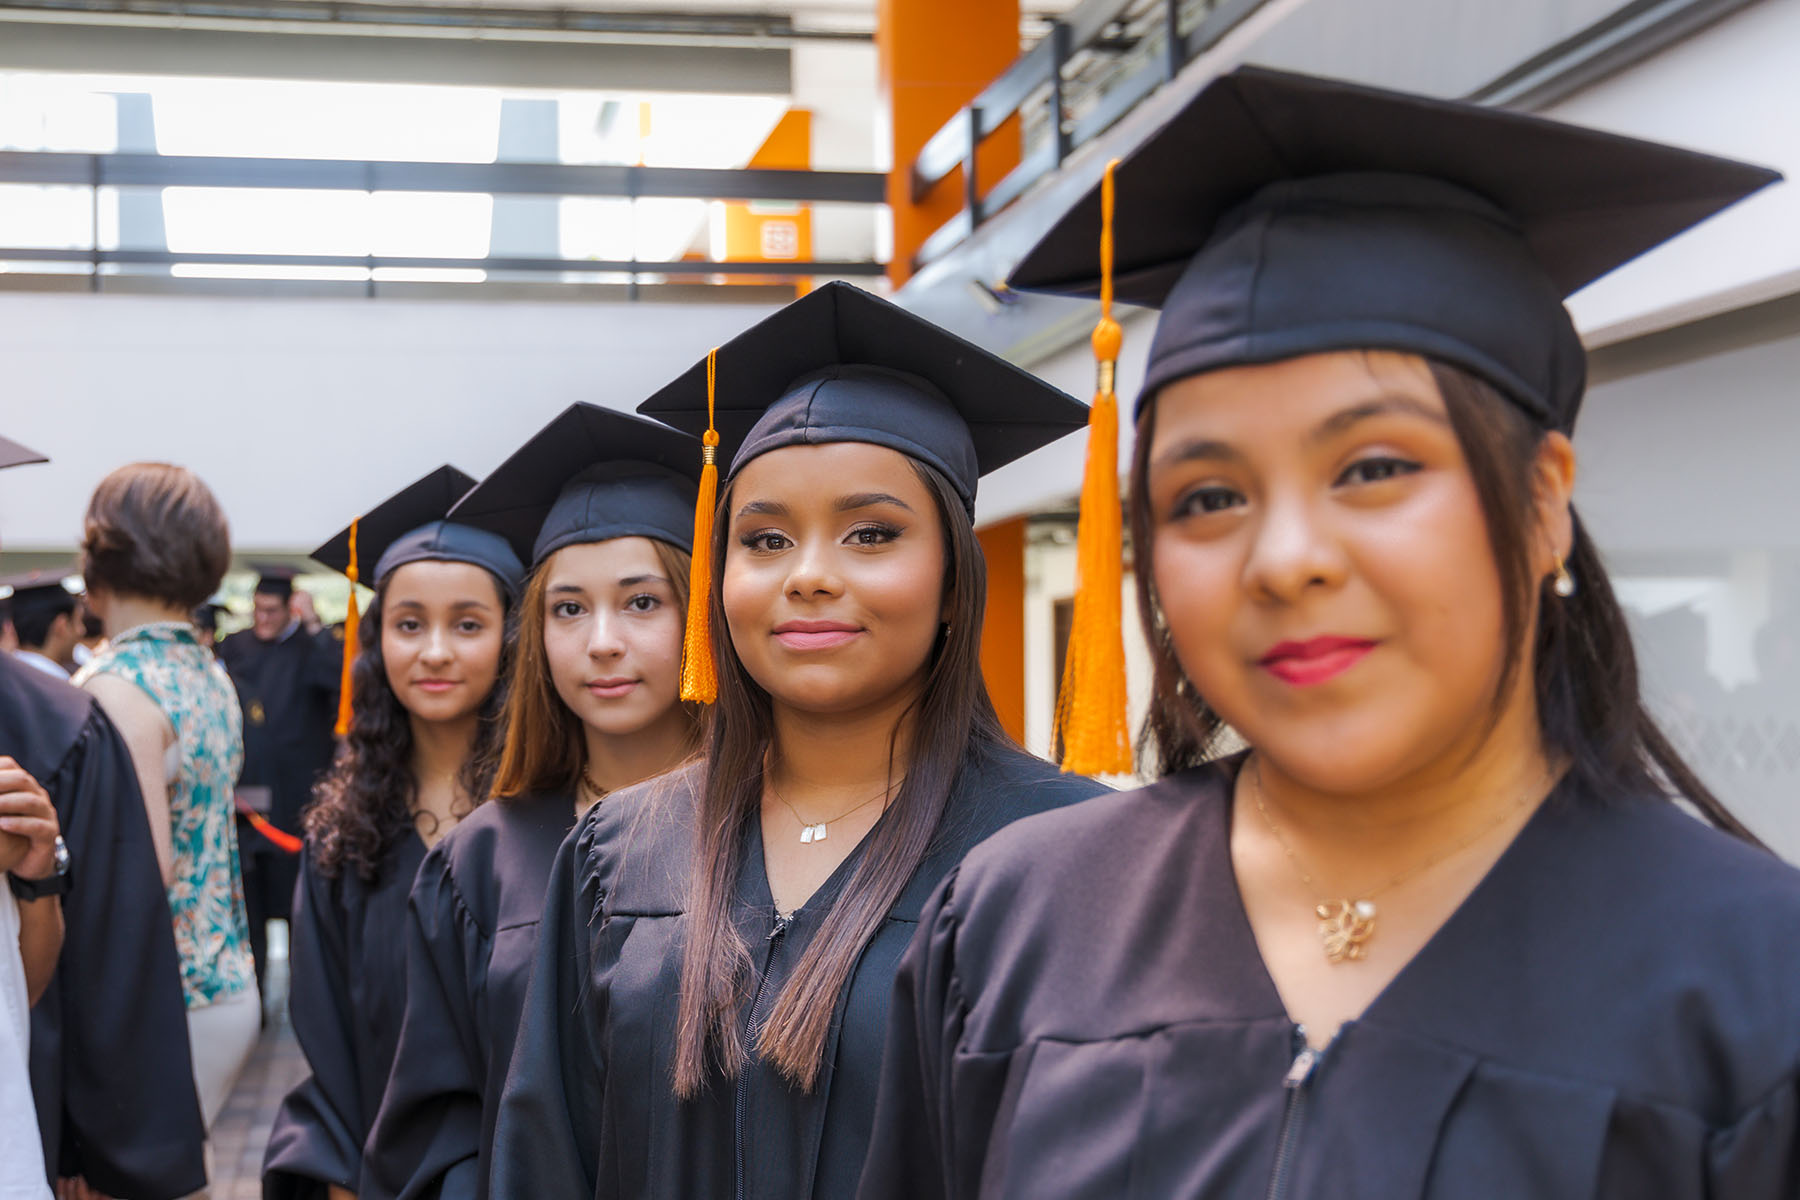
(364, 805)
(1591, 711)
(952, 719)
(543, 749)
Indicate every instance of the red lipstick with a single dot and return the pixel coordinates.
(1311, 662)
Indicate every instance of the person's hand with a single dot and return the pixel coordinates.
(76, 1188)
(26, 812)
(304, 612)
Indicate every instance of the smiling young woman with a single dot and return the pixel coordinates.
(601, 504)
(417, 756)
(1439, 932)
(712, 976)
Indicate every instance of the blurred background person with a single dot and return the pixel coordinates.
(110, 1072)
(155, 544)
(47, 620)
(206, 623)
(286, 669)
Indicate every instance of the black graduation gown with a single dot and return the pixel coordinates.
(471, 934)
(110, 1068)
(288, 691)
(348, 990)
(1613, 1012)
(588, 1108)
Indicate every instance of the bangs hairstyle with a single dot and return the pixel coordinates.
(364, 804)
(1591, 712)
(544, 749)
(952, 718)
(155, 531)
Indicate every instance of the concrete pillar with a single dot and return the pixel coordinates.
(933, 57)
(527, 226)
(140, 209)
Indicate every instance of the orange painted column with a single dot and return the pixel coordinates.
(1003, 626)
(933, 57)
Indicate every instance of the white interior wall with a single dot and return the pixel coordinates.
(300, 413)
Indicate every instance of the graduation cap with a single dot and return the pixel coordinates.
(1279, 215)
(410, 526)
(47, 582)
(12, 454)
(590, 475)
(275, 579)
(842, 365)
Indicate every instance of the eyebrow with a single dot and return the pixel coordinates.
(1387, 404)
(640, 580)
(858, 500)
(1211, 449)
(409, 602)
(849, 503)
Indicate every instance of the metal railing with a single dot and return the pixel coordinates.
(155, 171)
(1093, 66)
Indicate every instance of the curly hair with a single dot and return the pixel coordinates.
(364, 805)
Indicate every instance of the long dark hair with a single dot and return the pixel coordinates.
(1591, 711)
(543, 748)
(364, 804)
(951, 718)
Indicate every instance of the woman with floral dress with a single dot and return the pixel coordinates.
(154, 545)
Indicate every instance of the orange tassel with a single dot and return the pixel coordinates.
(699, 674)
(350, 623)
(283, 841)
(1091, 711)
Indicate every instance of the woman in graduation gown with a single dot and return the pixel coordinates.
(601, 504)
(1440, 932)
(419, 750)
(711, 984)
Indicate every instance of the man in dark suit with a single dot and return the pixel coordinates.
(286, 669)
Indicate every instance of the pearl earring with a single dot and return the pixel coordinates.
(1564, 584)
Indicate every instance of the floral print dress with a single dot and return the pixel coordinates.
(167, 662)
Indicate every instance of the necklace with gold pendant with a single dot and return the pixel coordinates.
(1347, 924)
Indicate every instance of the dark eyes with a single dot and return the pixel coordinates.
(1375, 470)
(769, 542)
(565, 609)
(643, 602)
(1214, 498)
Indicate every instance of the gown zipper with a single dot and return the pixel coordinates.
(753, 1026)
(1293, 1114)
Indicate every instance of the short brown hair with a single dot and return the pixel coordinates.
(155, 530)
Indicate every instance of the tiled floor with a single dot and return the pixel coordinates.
(243, 1127)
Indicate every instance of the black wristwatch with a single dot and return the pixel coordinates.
(57, 883)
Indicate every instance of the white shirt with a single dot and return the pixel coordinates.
(21, 1151)
(48, 666)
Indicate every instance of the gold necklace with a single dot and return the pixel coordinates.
(588, 780)
(1346, 926)
(818, 831)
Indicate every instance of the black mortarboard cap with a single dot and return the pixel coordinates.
(1278, 215)
(409, 526)
(843, 365)
(275, 579)
(590, 475)
(42, 581)
(12, 454)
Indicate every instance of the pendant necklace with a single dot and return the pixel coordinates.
(1346, 925)
(818, 831)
